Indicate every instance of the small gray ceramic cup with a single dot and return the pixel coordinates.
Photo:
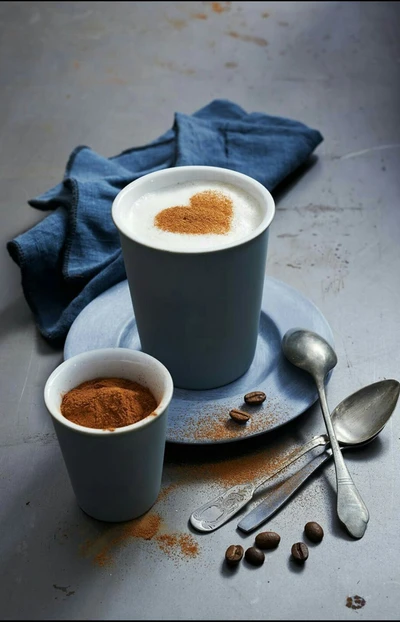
(116, 475)
(197, 312)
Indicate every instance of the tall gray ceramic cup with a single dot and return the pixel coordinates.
(197, 308)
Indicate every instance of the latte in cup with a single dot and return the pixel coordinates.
(194, 242)
(194, 216)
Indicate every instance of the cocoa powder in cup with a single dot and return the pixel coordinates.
(107, 403)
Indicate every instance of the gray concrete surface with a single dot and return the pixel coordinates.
(111, 75)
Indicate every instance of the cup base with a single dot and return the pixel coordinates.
(197, 385)
(106, 517)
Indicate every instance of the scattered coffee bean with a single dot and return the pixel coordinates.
(239, 415)
(300, 552)
(314, 531)
(234, 554)
(255, 397)
(267, 540)
(254, 556)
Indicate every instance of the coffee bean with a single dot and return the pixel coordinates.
(234, 554)
(255, 397)
(239, 415)
(267, 540)
(314, 531)
(300, 552)
(254, 556)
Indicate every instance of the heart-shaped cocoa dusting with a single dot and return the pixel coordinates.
(209, 212)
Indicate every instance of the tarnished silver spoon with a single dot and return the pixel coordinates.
(309, 351)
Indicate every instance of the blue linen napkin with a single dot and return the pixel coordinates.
(74, 253)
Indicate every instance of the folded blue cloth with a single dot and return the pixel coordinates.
(74, 254)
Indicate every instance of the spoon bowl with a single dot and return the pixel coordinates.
(309, 351)
(370, 411)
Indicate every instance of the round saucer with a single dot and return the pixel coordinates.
(202, 417)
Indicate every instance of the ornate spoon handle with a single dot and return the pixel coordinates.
(219, 510)
(351, 509)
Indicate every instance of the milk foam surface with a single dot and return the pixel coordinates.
(247, 216)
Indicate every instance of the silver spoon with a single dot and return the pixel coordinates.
(357, 421)
(311, 352)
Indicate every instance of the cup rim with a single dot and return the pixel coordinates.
(100, 353)
(176, 170)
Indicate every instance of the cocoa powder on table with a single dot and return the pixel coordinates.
(103, 549)
(180, 546)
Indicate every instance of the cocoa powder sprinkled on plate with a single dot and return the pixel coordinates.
(216, 425)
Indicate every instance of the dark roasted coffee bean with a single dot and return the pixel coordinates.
(300, 552)
(255, 397)
(254, 556)
(239, 415)
(267, 540)
(314, 531)
(234, 554)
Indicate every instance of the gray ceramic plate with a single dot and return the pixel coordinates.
(203, 416)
